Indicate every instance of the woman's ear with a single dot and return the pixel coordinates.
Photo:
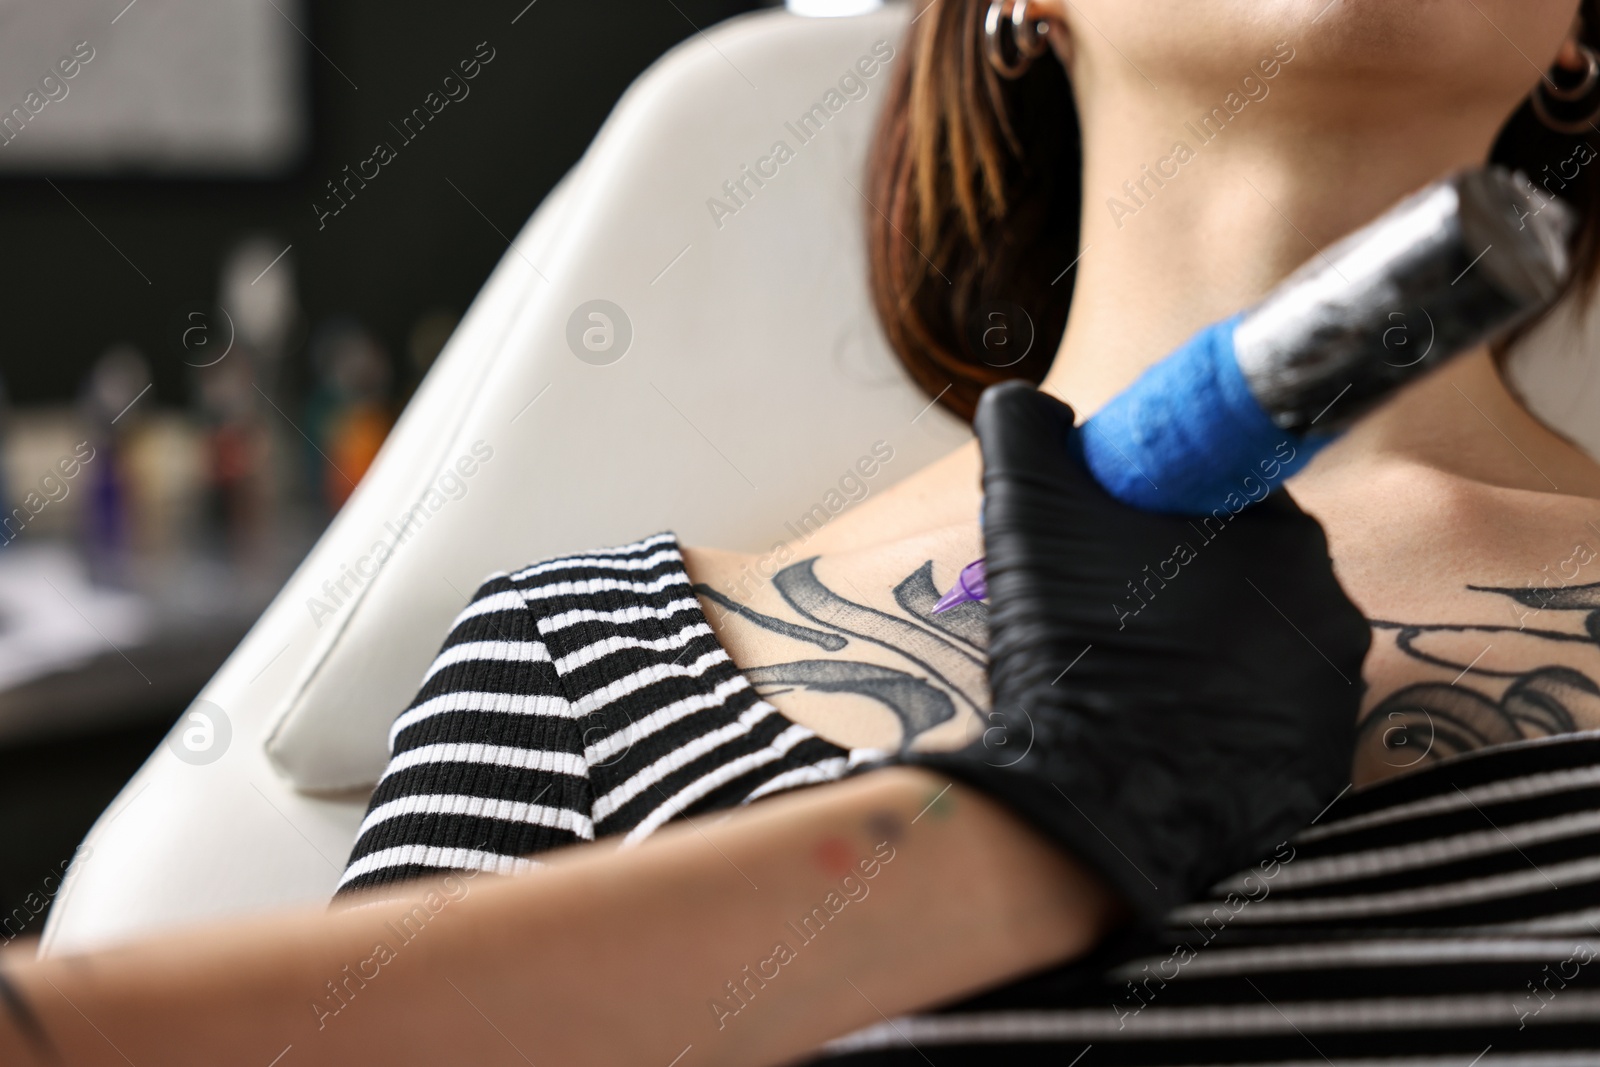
(1570, 58)
(1060, 37)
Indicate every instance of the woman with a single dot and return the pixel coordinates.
(1158, 167)
(1435, 918)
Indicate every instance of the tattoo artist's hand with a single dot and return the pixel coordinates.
(1215, 667)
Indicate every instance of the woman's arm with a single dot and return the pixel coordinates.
(749, 939)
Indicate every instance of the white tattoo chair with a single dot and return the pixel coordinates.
(754, 376)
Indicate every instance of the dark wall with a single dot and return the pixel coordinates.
(408, 243)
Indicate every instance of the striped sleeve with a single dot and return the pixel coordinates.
(486, 764)
(671, 726)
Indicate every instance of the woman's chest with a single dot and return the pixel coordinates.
(1485, 614)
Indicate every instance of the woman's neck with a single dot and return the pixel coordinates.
(1267, 193)
(1285, 177)
(1461, 421)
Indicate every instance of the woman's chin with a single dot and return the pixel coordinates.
(1478, 48)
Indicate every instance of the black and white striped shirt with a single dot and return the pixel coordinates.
(1448, 918)
(576, 698)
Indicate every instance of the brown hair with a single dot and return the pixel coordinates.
(975, 184)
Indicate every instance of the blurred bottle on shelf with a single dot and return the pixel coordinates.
(116, 387)
(239, 391)
(164, 463)
(236, 486)
(257, 291)
(349, 412)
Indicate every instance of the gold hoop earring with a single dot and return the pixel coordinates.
(1011, 39)
(1548, 92)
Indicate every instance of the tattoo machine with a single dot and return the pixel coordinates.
(1247, 401)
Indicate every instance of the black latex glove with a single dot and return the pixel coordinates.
(1206, 722)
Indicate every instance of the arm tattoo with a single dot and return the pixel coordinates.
(1431, 721)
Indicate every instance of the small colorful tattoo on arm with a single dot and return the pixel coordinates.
(834, 857)
(886, 826)
(940, 804)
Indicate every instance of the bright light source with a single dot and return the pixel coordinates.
(825, 9)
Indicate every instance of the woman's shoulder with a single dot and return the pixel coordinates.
(646, 553)
(637, 573)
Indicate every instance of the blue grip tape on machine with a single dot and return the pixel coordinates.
(1190, 433)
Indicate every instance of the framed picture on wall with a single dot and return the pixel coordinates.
(162, 87)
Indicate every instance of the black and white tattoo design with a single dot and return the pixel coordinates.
(1487, 695)
(945, 652)
(970, 621)
(919, 705)
(1494, 697)
(821, 638)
